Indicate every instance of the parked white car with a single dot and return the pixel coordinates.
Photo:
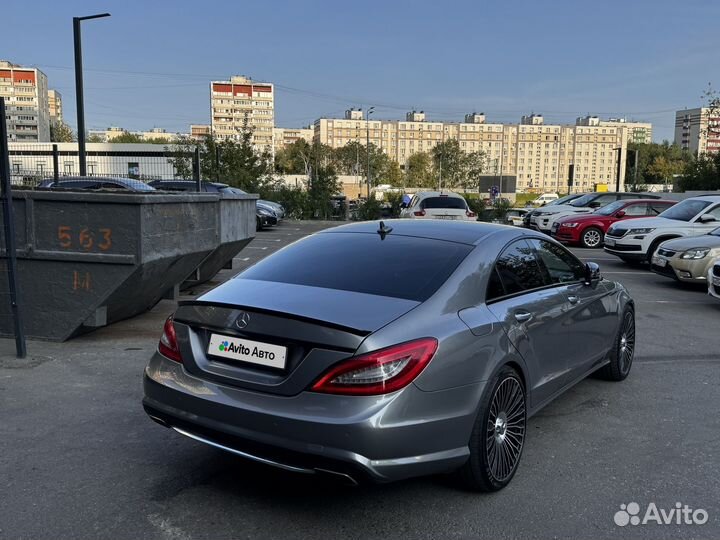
(638, 239)
(438, 205)
(545, 198)
(713, 279)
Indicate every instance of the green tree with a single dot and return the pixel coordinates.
(670, 158)
(127, 137)
(449, 161)
(474, 164)
(235, 162)
(94, 138)
(61, 132)
(419, 170)
(702, 173)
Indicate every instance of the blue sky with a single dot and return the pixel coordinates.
(150, 63)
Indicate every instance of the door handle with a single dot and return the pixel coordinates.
(573, 299)
(523, 316)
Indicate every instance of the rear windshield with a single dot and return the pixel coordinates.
(398, 266)
(685, 210)
(444, 202)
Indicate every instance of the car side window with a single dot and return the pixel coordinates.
(517, 270)
(110, 185)
(560, 265)
(715, 212)
(656, 208)
(636, 209)
(495, 287)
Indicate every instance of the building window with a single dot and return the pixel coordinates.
(68, 168)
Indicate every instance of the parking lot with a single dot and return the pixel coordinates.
(79, 458)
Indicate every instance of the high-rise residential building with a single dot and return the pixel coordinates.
(638, 132)
(698, 130)
(243, 103)
(26, 99)
(55, 106)
(283, 137)
(538, 154)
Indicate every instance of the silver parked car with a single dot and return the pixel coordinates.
(390, 350)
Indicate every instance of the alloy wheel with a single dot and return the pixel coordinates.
(505, 432)
(592, 238)
(627, 343)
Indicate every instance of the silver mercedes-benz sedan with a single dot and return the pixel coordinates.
(389, 350)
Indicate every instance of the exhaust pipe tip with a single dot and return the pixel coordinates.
(160, 421)
(343, 478)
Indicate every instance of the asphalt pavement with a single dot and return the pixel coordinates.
(79, 458)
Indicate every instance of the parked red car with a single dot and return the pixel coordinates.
(588, 230)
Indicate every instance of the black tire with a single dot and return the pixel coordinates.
(622, 354)
(258, 224)
(651, 251)
(498, 437)
(591, 238)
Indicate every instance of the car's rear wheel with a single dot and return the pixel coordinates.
(258, 224)
(591, 237)
(498, 436)
(622, 354)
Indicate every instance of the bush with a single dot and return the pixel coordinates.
(369, 209)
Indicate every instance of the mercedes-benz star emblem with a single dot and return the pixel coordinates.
(242, 320)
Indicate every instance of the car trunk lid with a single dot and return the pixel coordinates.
(315, 327)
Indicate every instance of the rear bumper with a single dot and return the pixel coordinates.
(383, 438)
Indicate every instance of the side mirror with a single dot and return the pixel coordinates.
(620, 213)
(592, 274)
(403, 205)
(706, 218)
(594, 204)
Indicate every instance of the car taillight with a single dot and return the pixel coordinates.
(419, 212)
(168, 346)
(378, 372)
(469, 213)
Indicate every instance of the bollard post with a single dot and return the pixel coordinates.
(196, 168)
(9, 226)
(55, 161)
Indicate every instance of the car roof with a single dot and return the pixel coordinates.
(438, 194)
(713, 198)
(121, 179)
(463, 232)
(636, 201)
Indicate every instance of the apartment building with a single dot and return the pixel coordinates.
(26, 99)
(107, 135)
(638, 132)
(242, 102)
(283, 137)
(698, 130)
(199, 131)
(55, 107)
(538, 154)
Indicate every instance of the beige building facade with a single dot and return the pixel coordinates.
(55, 106)
(539, 155)
(698, 130)
(26, 99)
(283, 137)
(638, 132)
(242, 102)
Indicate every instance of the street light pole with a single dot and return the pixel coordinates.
(369, 112)
(79, 98)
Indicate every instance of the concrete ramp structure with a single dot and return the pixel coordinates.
(87, 259)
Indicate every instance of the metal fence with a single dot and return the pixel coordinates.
(32, 163)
